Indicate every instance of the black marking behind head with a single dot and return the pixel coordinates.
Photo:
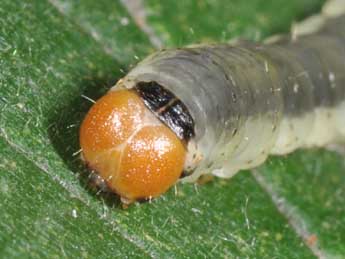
(168, 108)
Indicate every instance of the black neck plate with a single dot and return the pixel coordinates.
(168, 108)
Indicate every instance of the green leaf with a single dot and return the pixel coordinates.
(186, 22)
(52, 53)
(311, 185)
(108, 23)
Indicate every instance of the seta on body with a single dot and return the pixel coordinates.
(218, 109)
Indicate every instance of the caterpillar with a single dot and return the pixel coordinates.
(219, 108)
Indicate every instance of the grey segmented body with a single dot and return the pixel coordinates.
(249, 101)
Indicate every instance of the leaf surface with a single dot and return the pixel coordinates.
(53, 56)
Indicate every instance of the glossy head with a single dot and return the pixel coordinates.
(133, 151)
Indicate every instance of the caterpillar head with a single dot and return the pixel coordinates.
(137, 155)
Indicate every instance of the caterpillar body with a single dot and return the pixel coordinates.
(219, 108)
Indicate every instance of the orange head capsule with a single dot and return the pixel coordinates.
(133, 151)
